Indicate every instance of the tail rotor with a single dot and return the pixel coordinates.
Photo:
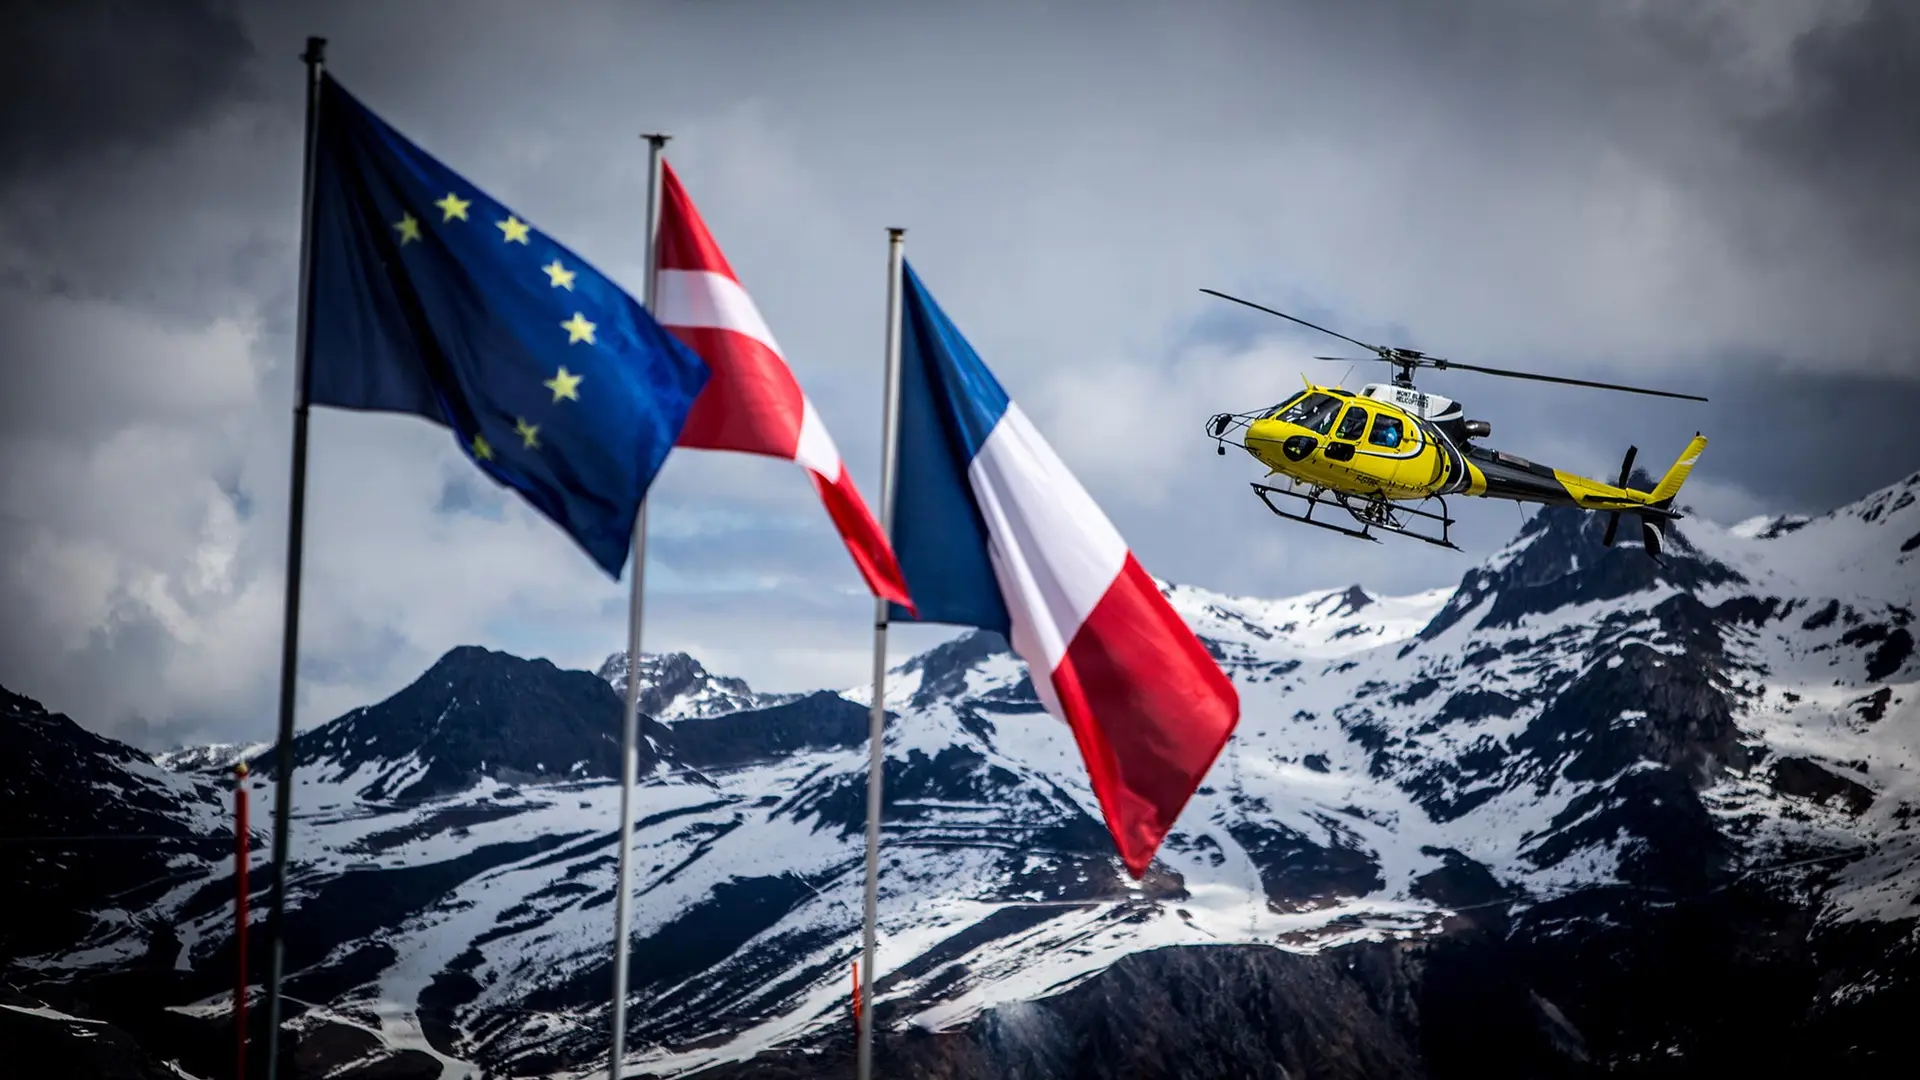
(1613, 517)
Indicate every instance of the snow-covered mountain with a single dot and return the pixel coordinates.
(675, 686)
(1586, 810)
(208, 758)
(90, 830)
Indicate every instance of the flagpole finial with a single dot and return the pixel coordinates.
(895, 233)
(316, 51)
(657, 140)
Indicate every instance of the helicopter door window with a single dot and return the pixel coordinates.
(1315, 412)
(1352, 424)
(1386, 431)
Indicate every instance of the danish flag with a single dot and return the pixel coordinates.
(751, 402)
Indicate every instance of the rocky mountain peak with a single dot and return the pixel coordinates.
(675, 686)
(1887, 503)
(215, 758)
(476, 712)
(1349, 602)
(943, 669)
(1558, 559)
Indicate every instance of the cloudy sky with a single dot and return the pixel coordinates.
(1719, 198)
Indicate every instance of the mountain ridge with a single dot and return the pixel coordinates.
(1575, 753)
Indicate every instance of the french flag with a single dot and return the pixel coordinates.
(993, 531)
(751, 402)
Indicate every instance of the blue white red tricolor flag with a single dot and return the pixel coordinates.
(992, 530)
(752, 403)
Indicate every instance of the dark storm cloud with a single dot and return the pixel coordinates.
(131, 242)
(86, 78)
(1795, 440)
(1851, 119)
(1853, 130)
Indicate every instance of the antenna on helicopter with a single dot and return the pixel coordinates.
(1406, 361)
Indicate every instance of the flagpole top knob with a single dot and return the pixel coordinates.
(656, 139)
(316, 50)
(240, 769)
(896, 233)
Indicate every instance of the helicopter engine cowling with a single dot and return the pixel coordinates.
(1478, 429)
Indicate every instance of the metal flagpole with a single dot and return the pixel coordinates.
(240, 858)
(877, 715)
(630, 732)
(315, 58)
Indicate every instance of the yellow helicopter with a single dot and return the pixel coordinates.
(1373, 452)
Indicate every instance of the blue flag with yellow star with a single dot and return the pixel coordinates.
(428, 297)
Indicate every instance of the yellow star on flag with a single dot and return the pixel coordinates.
(529, 433)
(560, 276)
(515, 230)
(481, 449)
(409, 228)
(564, 385)
(455, 207)
(578, 329)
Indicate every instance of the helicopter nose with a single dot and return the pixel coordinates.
(1264, 438)
(1272, 431)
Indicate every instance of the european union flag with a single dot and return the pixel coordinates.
(428, 297)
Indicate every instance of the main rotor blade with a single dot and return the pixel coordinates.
(1302, 322)
(1352, 359)
(1570, 382)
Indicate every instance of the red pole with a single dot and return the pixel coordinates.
(240, 917)
(856, 999)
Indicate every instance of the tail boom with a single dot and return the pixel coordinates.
(1500, 475)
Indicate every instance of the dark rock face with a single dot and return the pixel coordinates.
(1566, 564)
(1597, 985)
(1801, 777)
(1462, 883)
(1298, 873)
(340, 1052)
(1352, 600)
(1186, 1013)
(819, 721)
(1860, 1027)
(1666, 838)
(1891, 646)
(83, 818)
(1873, 706)
(43, 1042)
(1638, 706)
(479, 713)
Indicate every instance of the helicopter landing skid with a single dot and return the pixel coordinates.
(1370, 513)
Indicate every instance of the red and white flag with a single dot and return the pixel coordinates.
(751, 402)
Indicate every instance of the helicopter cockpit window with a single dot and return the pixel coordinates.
(1352, 424)
(1275, 411)
(1315, 412)
(1386, 431)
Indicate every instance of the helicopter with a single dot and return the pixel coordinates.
(1382, 454)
